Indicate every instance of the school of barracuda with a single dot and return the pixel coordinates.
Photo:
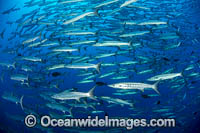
(132, 47)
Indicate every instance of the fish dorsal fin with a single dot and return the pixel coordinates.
(66, 91)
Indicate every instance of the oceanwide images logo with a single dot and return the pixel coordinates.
(47, 121)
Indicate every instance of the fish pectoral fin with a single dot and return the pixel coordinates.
(78, 99)
(142, 89)
(132, 105)
(93, 98)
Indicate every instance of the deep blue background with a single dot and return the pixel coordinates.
(188, 105)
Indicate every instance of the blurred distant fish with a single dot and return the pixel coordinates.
(106, 3)
(32, 58)
(2, 33)
(128, 2)
(78, 17)
(26, 68)
(84, 66)
(2, 77)
(169, 36)
(165, 76)
(117, 101)
(152, 22)
(136, 33)
(140, 7)
(81, 33)
(64, 49)
(14, 99)
(31, 40)
(8, 65)
(10, 10)
(107, 74)
(112, 43)
(59, 107)
(96, 112)
(57, 66)
(84, 81)
(69, 1)
(19, 77)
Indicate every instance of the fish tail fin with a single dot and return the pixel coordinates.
(151, 31)
(155, 87)
(124, 24)
(96, 12)
(97, 33)
(1, 35)
(132, 105)
(79, 50)
(14, 65)
(2, 77)
(91, 93)
(98, 67)
(28, 81)
(168, 22)
(130, 43)
(56, 86)
(21, 102)
(56, 22)
(181, 73)
(40, 36)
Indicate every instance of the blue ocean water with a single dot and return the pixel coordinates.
(160, 37)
